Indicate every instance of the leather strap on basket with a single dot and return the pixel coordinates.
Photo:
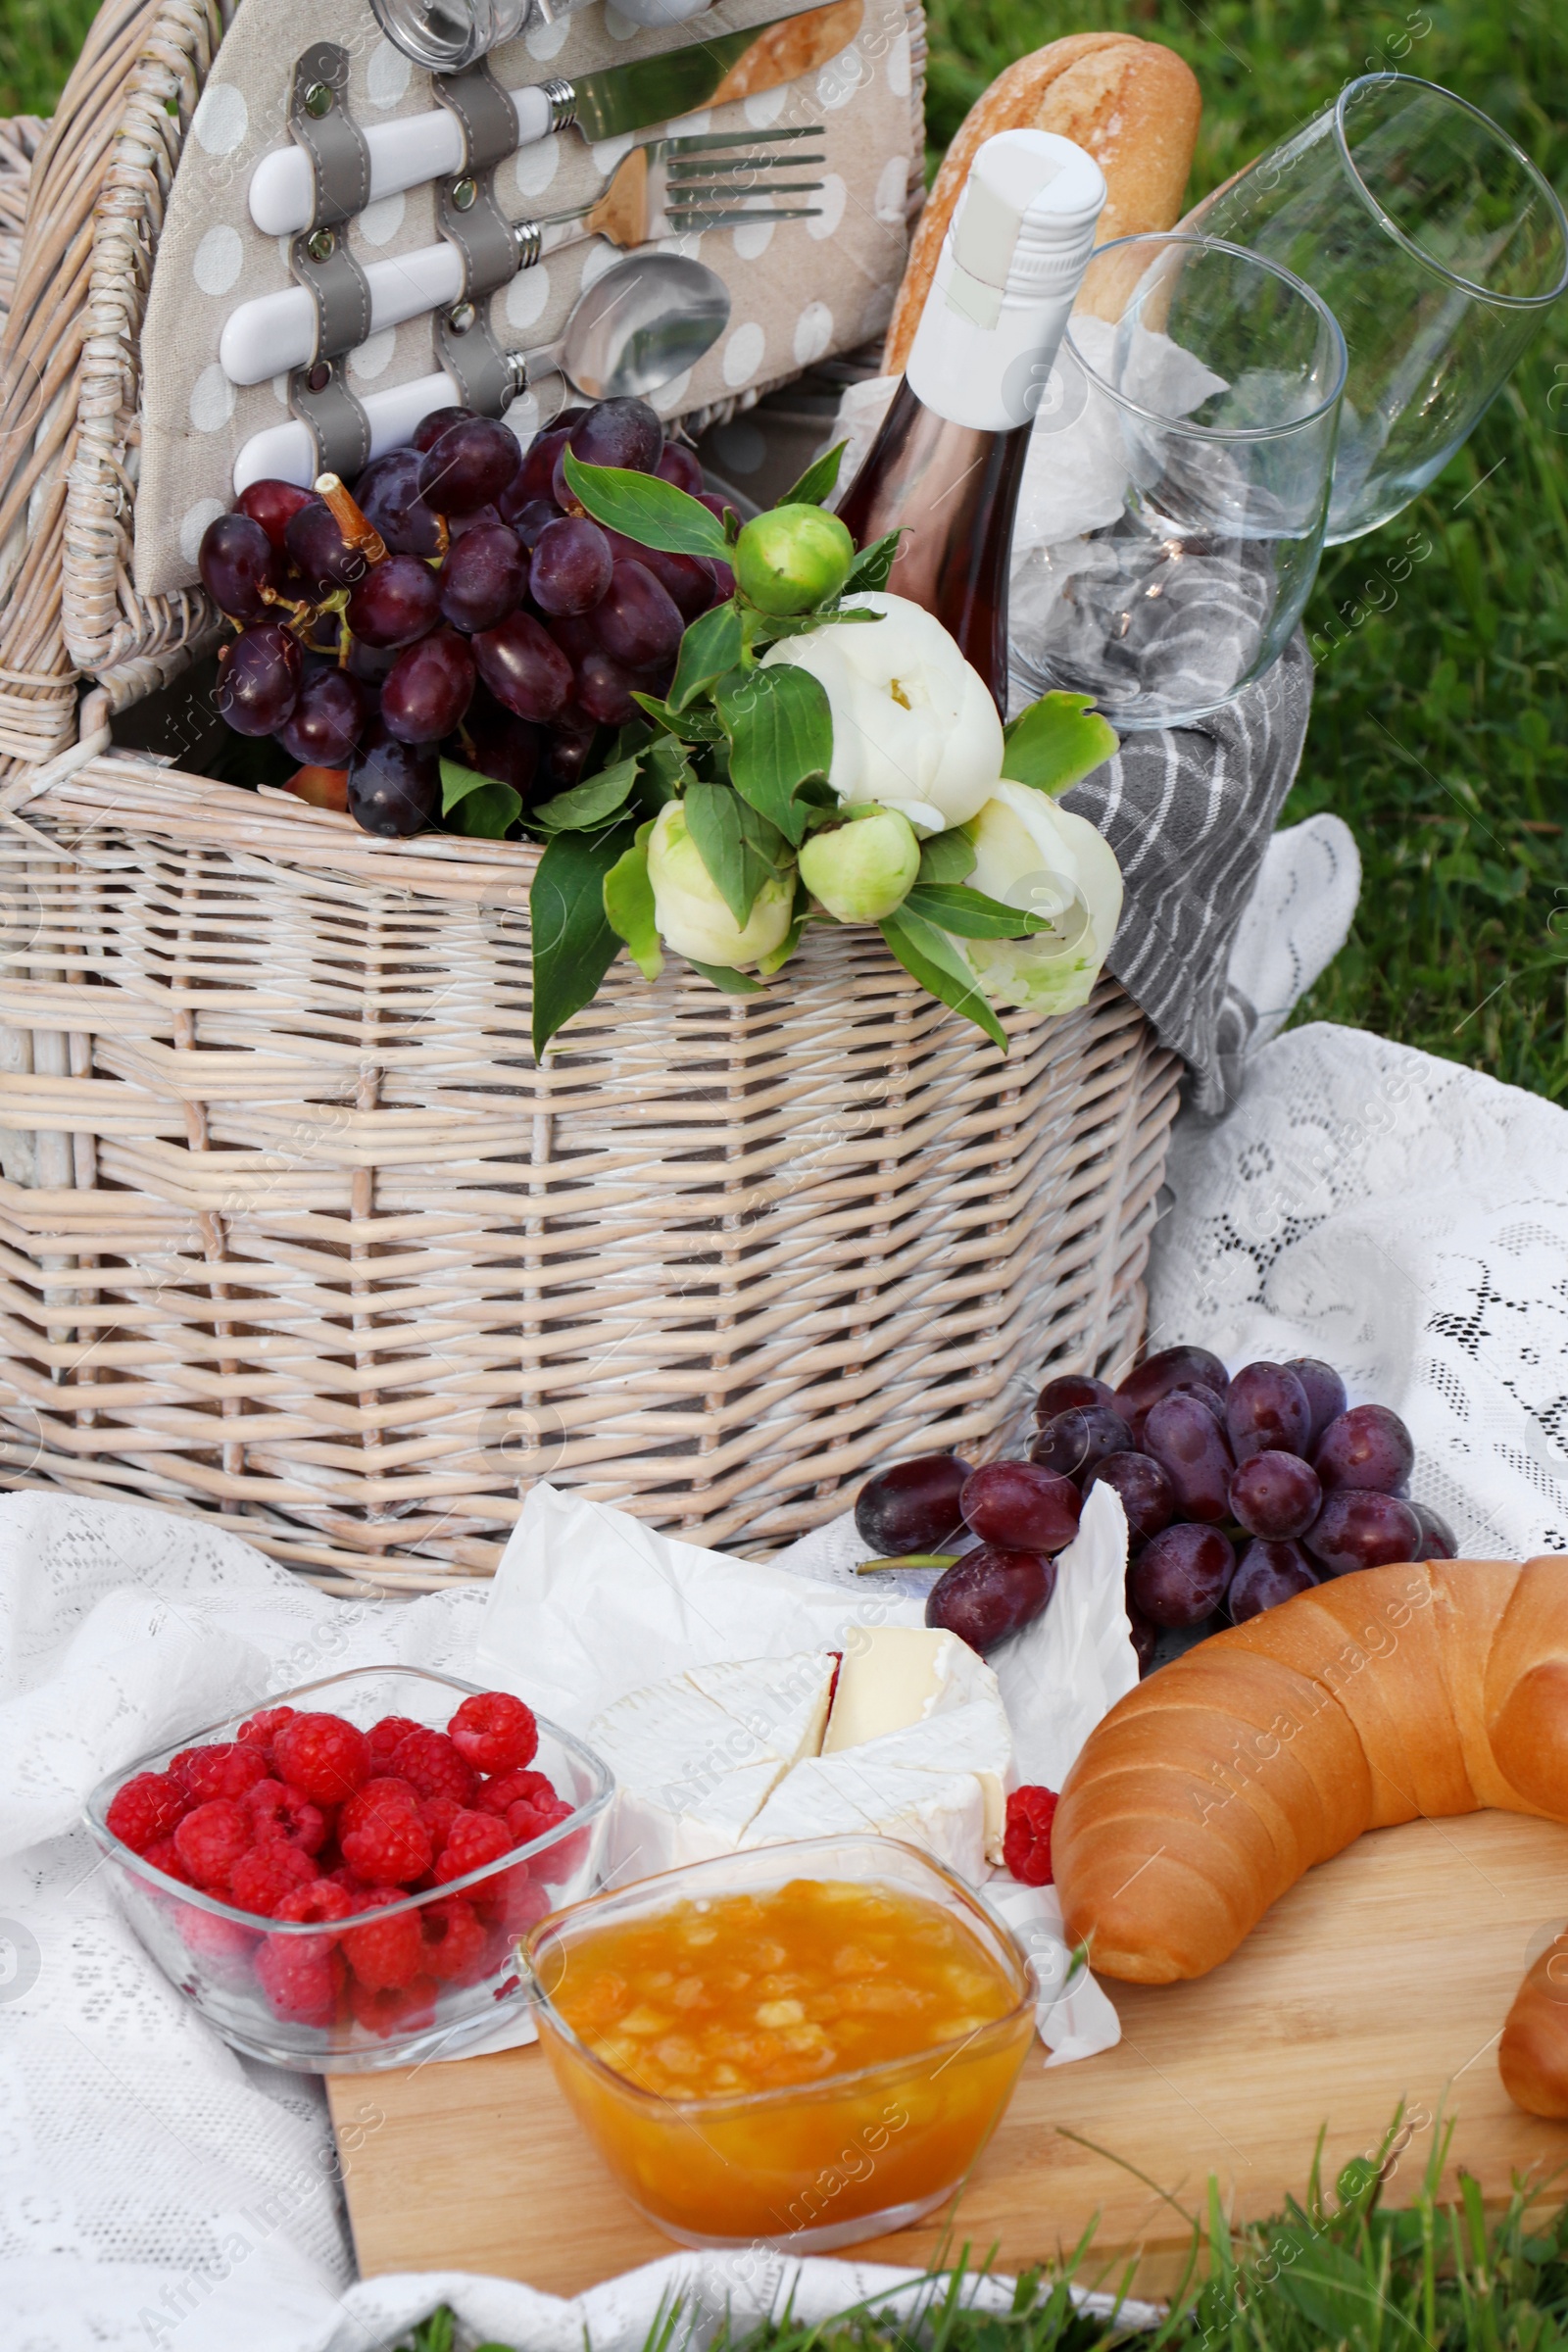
(320, 396)
(320, 120)
(471, 217)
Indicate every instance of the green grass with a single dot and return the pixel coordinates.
(1439, 730)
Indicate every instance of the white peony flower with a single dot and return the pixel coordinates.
(691, 915)
(913, 725)
(1033, 854)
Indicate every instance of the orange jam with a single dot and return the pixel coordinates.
(786, 2062)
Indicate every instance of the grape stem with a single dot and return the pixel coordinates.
(356, 528)
(909, 1559)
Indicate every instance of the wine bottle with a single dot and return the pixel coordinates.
(945, 467)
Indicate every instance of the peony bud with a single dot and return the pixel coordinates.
(861, 871)
(1031, 854)
(792, 560)
(691, 915)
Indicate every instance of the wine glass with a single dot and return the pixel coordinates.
(1438, 246)
(1191, 450)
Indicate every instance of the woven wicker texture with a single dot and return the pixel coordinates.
(306, 1237)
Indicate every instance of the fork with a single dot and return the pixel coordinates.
(664, 187)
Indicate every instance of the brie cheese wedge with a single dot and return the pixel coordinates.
(975, 1737)
(850, 1795)
(897, 1675)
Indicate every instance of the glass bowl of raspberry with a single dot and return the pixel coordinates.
(338, 1878)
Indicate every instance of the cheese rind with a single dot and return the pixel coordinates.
(975, 1737)
(781, 1701)
(845, 1796)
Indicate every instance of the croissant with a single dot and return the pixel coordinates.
(1424, 1689)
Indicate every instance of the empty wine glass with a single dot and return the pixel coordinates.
(1438, 246)
(1191, 450)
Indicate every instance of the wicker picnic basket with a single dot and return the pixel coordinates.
(296, 1232)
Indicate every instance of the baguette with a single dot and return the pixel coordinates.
(1132, 104)
(1426, 1689)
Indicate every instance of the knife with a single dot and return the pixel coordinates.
(714, 72)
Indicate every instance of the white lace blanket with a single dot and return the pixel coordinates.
(1404, 1218)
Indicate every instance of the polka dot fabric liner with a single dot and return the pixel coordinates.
(801, 290)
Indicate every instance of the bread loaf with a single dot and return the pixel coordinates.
(1424, 1689)
(1132, 104)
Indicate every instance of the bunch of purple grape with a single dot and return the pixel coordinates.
(454, 601)
(1237, 1494)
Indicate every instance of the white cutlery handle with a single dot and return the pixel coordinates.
(403, 155)
(276, 333)
(286, 452)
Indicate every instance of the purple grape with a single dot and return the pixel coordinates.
(1275, 1495)
(1145, 1638)
(914, 1506)
(499, 745)
(1182, 1575)
(534, 477)
(682, 465)
(329, 718)
(428, 688)
(1268, 1574)
(273, 505)
(570, 744)
(394, 787)
(322, 555)
(1071, 1389)
(388, 496)
(1144, 1487)
(526, 673)
(1266, 1411)
(371, 665)
(469, 466)
(1361, 1528)
(1368, 1447)
(1154, 1377)
(1074, 1441)
(533, 519)
(638, 622)
(1190, 1446)
(1021, 1507)
(604, 689)
(241, 570)
(258, 679)
(1438, 1541)
(687, 580)
(481, 518)
(484, 578)
(395, 604)
(1212, 1402)
(619, 432)
(990, 1594)
(571, 567)
(430, 429)
(1325, 1394)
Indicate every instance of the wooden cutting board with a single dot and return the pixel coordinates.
(1385, 1974)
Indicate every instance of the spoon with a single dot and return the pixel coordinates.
(631, 332)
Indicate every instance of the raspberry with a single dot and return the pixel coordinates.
(431, 1763)
(260, 1730)
(324, 1756)
(380, 1834)
(456, 1949)
(322, 1899)
(510, 1787)
(384, 1737)
(473, 1839)
(398, 2009)
(530, 1820)
(178, 1766)
(496, 1732)
(299, 1979)
(1026, 1841)
(388, 1954)
(163, 1857)
(438, 1813)
(279, 1811)
(228, 1767)
(511, 1899)
(211, 1841)
(144, 1811)
(220, 1942)
(261, 1879)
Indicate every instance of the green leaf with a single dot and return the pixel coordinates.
(666, 773)
(873, 565)
(589, 804)
(629, 907)
(737, 845)
(946, 857)
(726, 977)
(780, 731)
(799, 917)
(1056, 742)
(938, 967)
(644, 508)
(710, 646)
(574, 944)
(772, 626)
(955, 907)
(819, 481)
(486, 809)
(697, 724)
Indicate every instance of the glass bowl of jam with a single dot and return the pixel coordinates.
(800, 2046)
